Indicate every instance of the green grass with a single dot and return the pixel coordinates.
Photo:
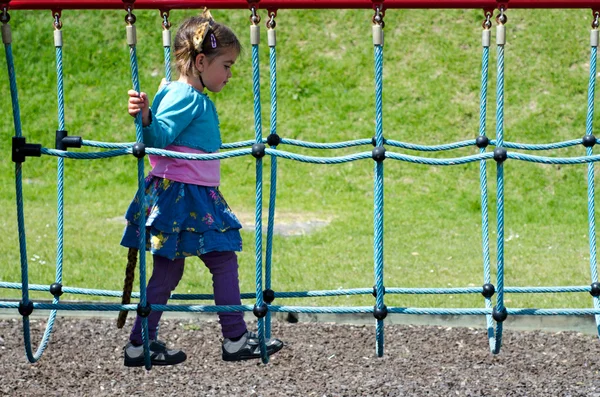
(325, 94)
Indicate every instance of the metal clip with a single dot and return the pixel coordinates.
(378, 17)
(57, 22)
(166, 24)
(5, 17)
(254, 18)
(130, 17)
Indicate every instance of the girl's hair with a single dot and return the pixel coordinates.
(201, 35)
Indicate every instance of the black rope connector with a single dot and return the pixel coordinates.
(499, 315)
(273, 140)
(268, 295)
(258, 150)
(25, 309)
(500, 155)
(595, 289)
(488, 290)
(260, 311)
(588, 140)
(374, 141)
(63, 141)
(56, 289)
(138, 150)
(380, 313)
(21, 149)
(375, 291)
(378, 154)
(144, 311)
(482, 141)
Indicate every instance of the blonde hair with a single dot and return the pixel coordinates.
(201, 35)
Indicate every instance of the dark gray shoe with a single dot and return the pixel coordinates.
(248, 347)
(159, 355)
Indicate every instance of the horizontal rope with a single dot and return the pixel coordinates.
(300, 294)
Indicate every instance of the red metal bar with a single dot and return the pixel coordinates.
(290, 4)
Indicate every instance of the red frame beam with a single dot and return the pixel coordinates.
(290, 4)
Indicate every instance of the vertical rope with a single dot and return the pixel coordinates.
(19, 193)
(140, 193)
(589, 129)
(258, 218)
(378, 194)
(273, 187)
(167, 54)
(485, 234)
(500, 194)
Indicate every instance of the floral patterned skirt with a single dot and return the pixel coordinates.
(182, 220)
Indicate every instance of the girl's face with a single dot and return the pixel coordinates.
(216, 72)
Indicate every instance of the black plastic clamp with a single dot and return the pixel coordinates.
(268, 295)
(25, 309)
(63, 141)
(260, 311)
(56, 289)
(375, 291)
(21, 149)
(144, 311)
(488, 290)
(380, 313)
(258, 150)
(499, 315)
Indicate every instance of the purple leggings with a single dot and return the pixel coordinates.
(166, 275)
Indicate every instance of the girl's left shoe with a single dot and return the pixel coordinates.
(248, 347)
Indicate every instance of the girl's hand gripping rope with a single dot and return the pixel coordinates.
(138, 102)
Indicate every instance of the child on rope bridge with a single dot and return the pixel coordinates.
(186, 212)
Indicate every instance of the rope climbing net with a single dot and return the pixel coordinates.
(495, 309)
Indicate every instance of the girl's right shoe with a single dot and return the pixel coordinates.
(159, 355)
(248, 347)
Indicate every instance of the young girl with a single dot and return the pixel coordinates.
(186, 212)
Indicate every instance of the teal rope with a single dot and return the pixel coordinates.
(378, 199)
(142, 214)
(19, 197)
(167, 55)
(258, 218)
(590, 174)
(363, 142)
(304, 294)
(273, 187)
(310, 309)
(499, 198)
(485, 234)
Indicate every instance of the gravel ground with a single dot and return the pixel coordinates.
(85, 358)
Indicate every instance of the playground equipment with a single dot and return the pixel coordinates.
(495, 311)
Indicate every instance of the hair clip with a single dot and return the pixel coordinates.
(213, 40)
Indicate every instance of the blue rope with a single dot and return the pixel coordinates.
(142, 214)
(167, 55)
(485, 234)
(590, 174)
(258, 218)
(378, 198)
(321, 293)
(19, 197)
(273, 187)
(497, 343)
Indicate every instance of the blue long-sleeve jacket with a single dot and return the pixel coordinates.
(182, 115)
